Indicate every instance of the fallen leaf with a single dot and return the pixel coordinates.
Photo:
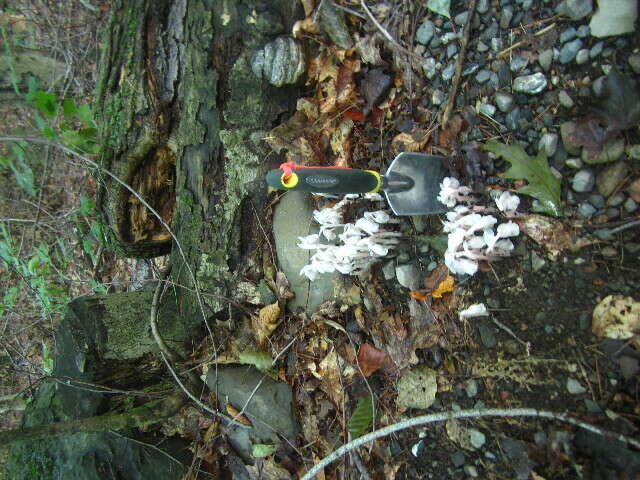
(543, 185)
(368, 50)
(261, 360)
(374, 86)
(233, 412)
(441, 7)
(370, 359)
(361, 417)
(446, 286)
(267, 469)
(417, 388)
(265, 322)
(261, 450)
(553, 234)
(617, 317)
(413, 141)
(282, 286)
(333, 373)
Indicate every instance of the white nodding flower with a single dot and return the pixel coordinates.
(475, 243)
(328, 233)
(455, 239)
(507, 202)
(328, 217)
(460, 265)
(367, 225)
(309, 271)
(475, 310)
(378, 250)
(448, 192)
(310, 242)
(373, 197)
(379, 216)
(509, 229)
(503, 247)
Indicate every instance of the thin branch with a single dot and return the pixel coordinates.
(473, 413)
(459, 64)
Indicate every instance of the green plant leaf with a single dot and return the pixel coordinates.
(437, 242)
(441, 7)
(261, 450)
(542, 183)
(69, 106)
(361, 417)
(46, 102)
(47, 361)
(261, 360)
(33, 265)
(86, 205)
(85, 115)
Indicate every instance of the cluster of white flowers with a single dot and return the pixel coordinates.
(362, 243)
(471, 235)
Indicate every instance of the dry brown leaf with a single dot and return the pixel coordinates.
(265, 322)
(267, 469)
(553, 234)
(617, 317)
(283, 291)
(413, 141)
(370, 359)
(334, 373)
(446, 286)
(233, 413)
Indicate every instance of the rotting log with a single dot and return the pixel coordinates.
(176, 88)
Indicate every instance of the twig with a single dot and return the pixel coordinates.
(507, 50)
(459, 64)
(164, 348)
(473, 413)
(384, 32)
(624, 227)
(501, 325)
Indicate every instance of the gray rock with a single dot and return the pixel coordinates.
(496, 44)
(512, 119)
(614, 17)
(583, 180)
(487, 109)
(469, 68)
(333, 22)
(291, 258)
(471, 470)
(573, 163)
(409, 276)
(482, 47)
(598, 85)
(429, 67)
(596, 49)
(548, 144)
(616, 200)
(487, 336)
(476, 438)
(452, 49)
(448, 72)
(458, 458)
(531, 84)
(506, 14)
(518, 64)
(634, 62)
(567, 130)
(569, 51)
(574, 387)
(461, 18)
(610, 178)
(545, 58)
(568, 34)
(483, 76)
(586, 210)
(389, 270)
(537, 262)
(472, 388)
(630, 205)
(482, 7)
(504, 101)
(611, 152)
(582, 56)
(437, 97)
(426, 32)
(584, 31)
(596, 200)
(578, 9)
(270, 408)
(565, 99)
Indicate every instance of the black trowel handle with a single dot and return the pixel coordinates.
(325, 179)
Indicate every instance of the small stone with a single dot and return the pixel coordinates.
(616, 200)
(633, 151)
(548, 144)
(472, 388)
(505, 17)
(518, 64)
(429, 67)
(596, 49)
(573, 163)
(483, 76)
(578, 9)
(537, 262)
(496, 44)
(469, 68)
(426, 32)
(476, 438)
(487, 337)
(565, 99)
(487, 109)
(596, 200)
(452, 49)
(583, 181)
(389, 270)
(609, 178)
(591, 406)
(582, 56)
(471, 471)
(614, 17)
(598, 86)
(611, 152)
(545, 58)
(409, 276)
(504, 101)
(531, 84)
(584, 31)
(461, 18)
(586, 210)
(568, 34)
(569, 51)
(609, 252)
(634, 62)
(447, 73)
(482, 7)
(458, 458)
(437, 97)
(574, 387)
(512, 119)
(630, 205)
(482, 47)
(567, 130)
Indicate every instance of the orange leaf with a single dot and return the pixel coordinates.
(233, 412)
(354, 115)
(370, 359)
(446, 286)
(419, 294)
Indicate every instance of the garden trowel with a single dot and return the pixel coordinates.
(411, 184)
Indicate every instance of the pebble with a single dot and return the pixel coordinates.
(482, 7)
(461, 18)
(426, 32)
(496, 44)
(447, 73)
(472, 388)
(482, 47)
(582, 56)
(471, 471)
(569, 51)
(630, 205)
(596, 49)
(487, 337)
(583, 180)
(611, 152)
(578, 9)
(458, 458)
(567, 130)
(487, 109)
(389, 270)
(409, 276)
(574, 387)
(608, 179)
(545, 58)
(429, 67)
(452, 49)
(518, 64)
(512, 119)
(476, 438)
(584, 31)
(598, 85)
(565, 99)
(573, 163)
(531, 84)
(596, 200)
(504, 101)
(616, 200)
(634, 62)
(437, 97)
(548, 144)
(568, 34)
(505, 17)
(586, 210)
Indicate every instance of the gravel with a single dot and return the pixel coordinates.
(476, 438)
(574, 387)
(531, 84)
(545, 58)
(426, 32)
(483, 76)
(565, 99)
(586, 210)
(570, 50)
(504, 101)
(578, 9)
(583, 181)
